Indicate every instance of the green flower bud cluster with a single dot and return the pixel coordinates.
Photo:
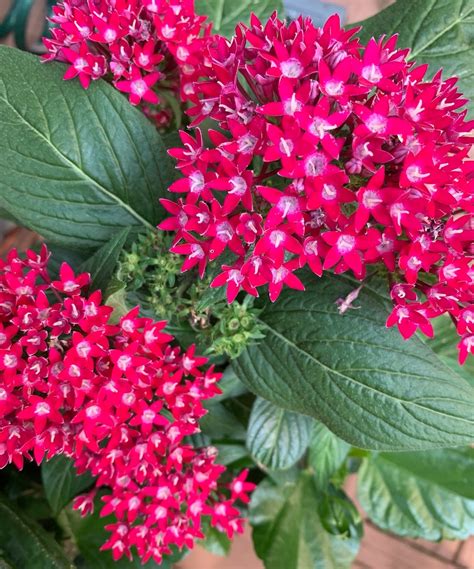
(152, 276)
(236, 327)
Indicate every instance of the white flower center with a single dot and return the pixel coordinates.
(371, 199)
(239, 185)
(291, 68)
(196, 182)
(372, 73)
(288, 204)
(224, 231)
(83, 349)
(93, 411)
(329, 192)
(414, 173)
(334, 88)
(139, 87)
(319, 127)
(42, 409)
(124, 362)
(414, 263)
(291, 106)
(148, 416)
(286, 146)
(110, 35)
(376, 123)
(277, 238)
(10, 361)
(315, 164)
(345, 244)
(246, 143)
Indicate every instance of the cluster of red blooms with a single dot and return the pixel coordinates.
(140, 45)
(333, 155)
(118, 399)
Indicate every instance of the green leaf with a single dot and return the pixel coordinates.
(226, 14)
(75, 165)
(438, 32)
(230, 385)
(277, 438)
(424, 494)
(59, 255)
(220, 423)
(327, 453)
(366, 384)
(103, 262)
(89, 535)
(216, 542)
(287, 530)
(231, 453)
(26, 544)
(4, 564)
(116, 295)
(445, 343)
(61, 482)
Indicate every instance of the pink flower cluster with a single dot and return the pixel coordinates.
(118, 399)
(332, 155)
(142, 46)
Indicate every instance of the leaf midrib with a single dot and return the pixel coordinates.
(457, 21)
(82, 174)
(353, 380)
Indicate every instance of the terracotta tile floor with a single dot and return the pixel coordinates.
(379, 550)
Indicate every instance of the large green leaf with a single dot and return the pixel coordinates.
(101, 265)
(26, 544)
(362, 380)
(277, 438)
(61, 482)
(287, 530)
(75, 165)
(327, 453)
(438, 32)
(422, 494)
(226, 14)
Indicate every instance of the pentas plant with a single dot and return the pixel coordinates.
(333, 155)
(150, 49)
(118, 399)
(321, 213)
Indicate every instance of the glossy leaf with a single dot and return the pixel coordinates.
(287, 530)
(277, 438)
(327, 453)
(61, 482)
(76, 166)
(368, 385)
(101, 265)
(423, 494)
(438, 32)
(26, 544)
(226, 14)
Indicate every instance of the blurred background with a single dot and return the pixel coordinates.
(22, 22)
